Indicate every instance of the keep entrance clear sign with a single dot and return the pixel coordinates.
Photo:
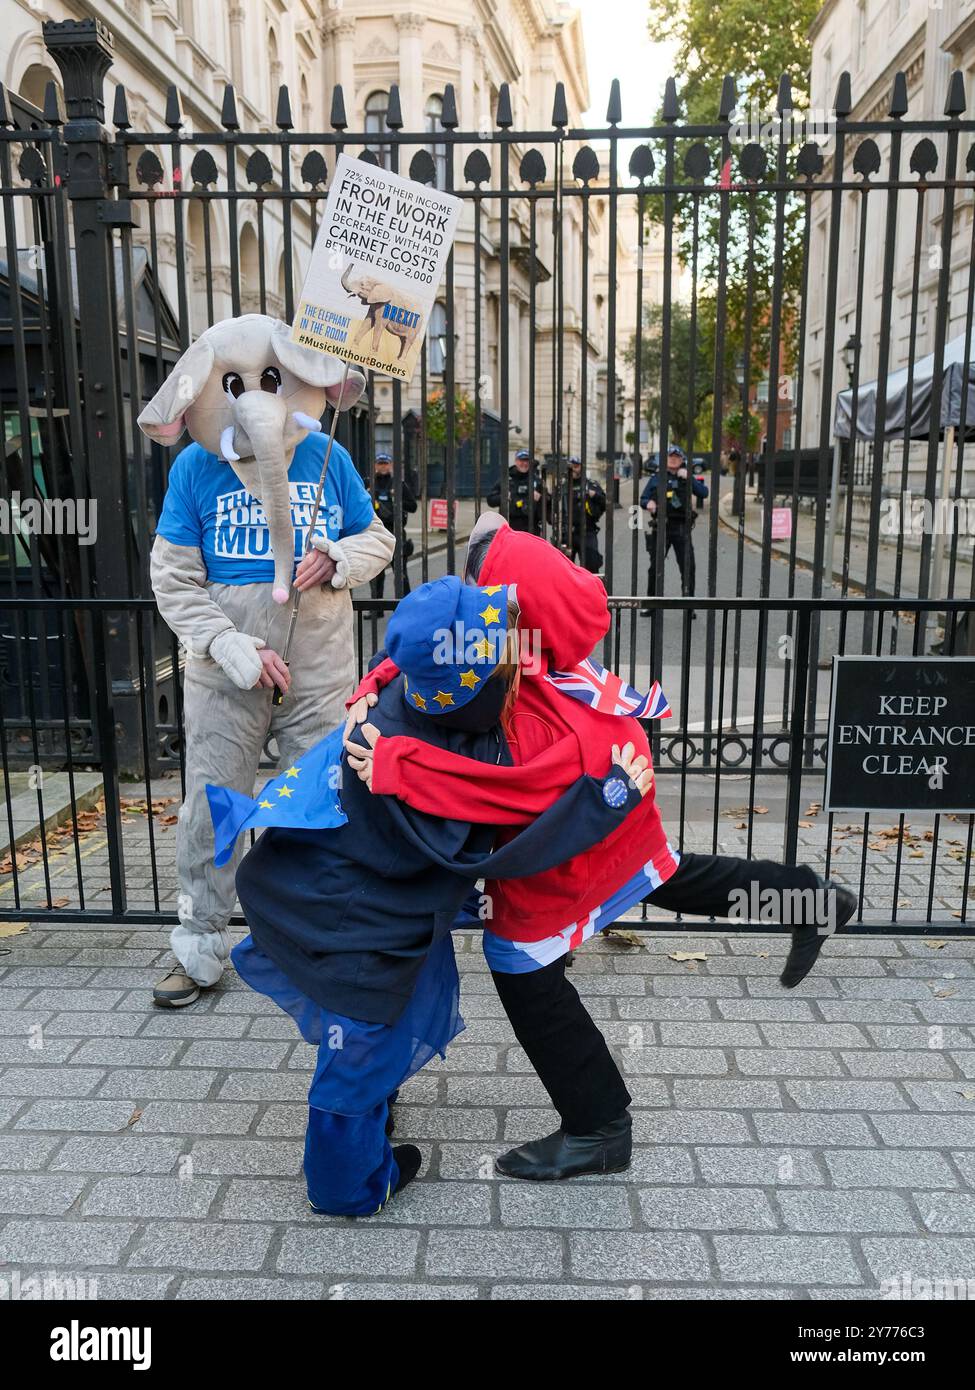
(901, 734)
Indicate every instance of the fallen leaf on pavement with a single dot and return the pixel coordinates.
(618, 935)
(688, 955)
(12, 928)
(936, 945)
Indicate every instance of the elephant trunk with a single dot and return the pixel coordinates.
(264, 418)
(346, 273)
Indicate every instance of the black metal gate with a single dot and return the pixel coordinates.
(667, 284)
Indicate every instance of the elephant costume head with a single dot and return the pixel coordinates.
(248, 393)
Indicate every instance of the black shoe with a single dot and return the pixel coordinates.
(807, 942)
(408, 1159)
(646, 611)
(562, 1155)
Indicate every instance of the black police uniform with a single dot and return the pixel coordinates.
(680, 516)
(384, 506)
(585, 502)
(520, 489)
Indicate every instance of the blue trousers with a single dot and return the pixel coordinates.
(349, 1164)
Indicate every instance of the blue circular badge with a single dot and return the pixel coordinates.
(615, 791)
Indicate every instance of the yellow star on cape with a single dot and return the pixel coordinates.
(292, 772)
(491, 614)
(492, 589)
(469, 679)
(285, 791)
(419, 701)
(483, 649)
(443, 699)
(267, 805)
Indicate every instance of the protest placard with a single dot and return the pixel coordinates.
(375, 268)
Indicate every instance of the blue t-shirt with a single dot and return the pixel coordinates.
(207, 506)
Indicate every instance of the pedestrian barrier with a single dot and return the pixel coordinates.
(740, 765)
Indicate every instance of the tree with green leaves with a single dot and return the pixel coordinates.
(465, 417)
(756, 42)
(691, 359)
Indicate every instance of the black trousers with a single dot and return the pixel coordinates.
(585, 550)
(562, 1042)
(378, 584)
(678, 539)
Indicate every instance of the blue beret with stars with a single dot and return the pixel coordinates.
(447, 638)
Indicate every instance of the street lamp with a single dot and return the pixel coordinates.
(738, 487)
(848, 352)
(570, 392)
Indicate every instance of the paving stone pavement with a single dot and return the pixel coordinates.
(789, 1145)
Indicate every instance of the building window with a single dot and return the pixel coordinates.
(437, 339)
(433, 119)
(375, 124)
(274, 72)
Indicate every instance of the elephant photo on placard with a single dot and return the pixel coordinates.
(386, 308)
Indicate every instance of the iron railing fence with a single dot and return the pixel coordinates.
(613, 288)
(741, 774)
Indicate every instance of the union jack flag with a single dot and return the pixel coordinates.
(608, 693)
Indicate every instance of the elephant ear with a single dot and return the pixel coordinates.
(163, 418)
(316, 368)
(380, 294)
(354, 387)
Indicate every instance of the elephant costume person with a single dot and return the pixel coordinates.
(234, 524)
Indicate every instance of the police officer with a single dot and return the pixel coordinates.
(584, 503)
(525, 495)
(384, 506)
(679, 518)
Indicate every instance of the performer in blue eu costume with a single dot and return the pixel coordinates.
(350, 924)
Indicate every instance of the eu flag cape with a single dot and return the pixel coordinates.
(304, 796)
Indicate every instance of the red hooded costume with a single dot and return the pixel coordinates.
(553, 739)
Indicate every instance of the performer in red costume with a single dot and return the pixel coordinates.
(533, 923)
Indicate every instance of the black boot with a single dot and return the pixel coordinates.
(807, 941)
(408, 1159)
(562, 1155)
